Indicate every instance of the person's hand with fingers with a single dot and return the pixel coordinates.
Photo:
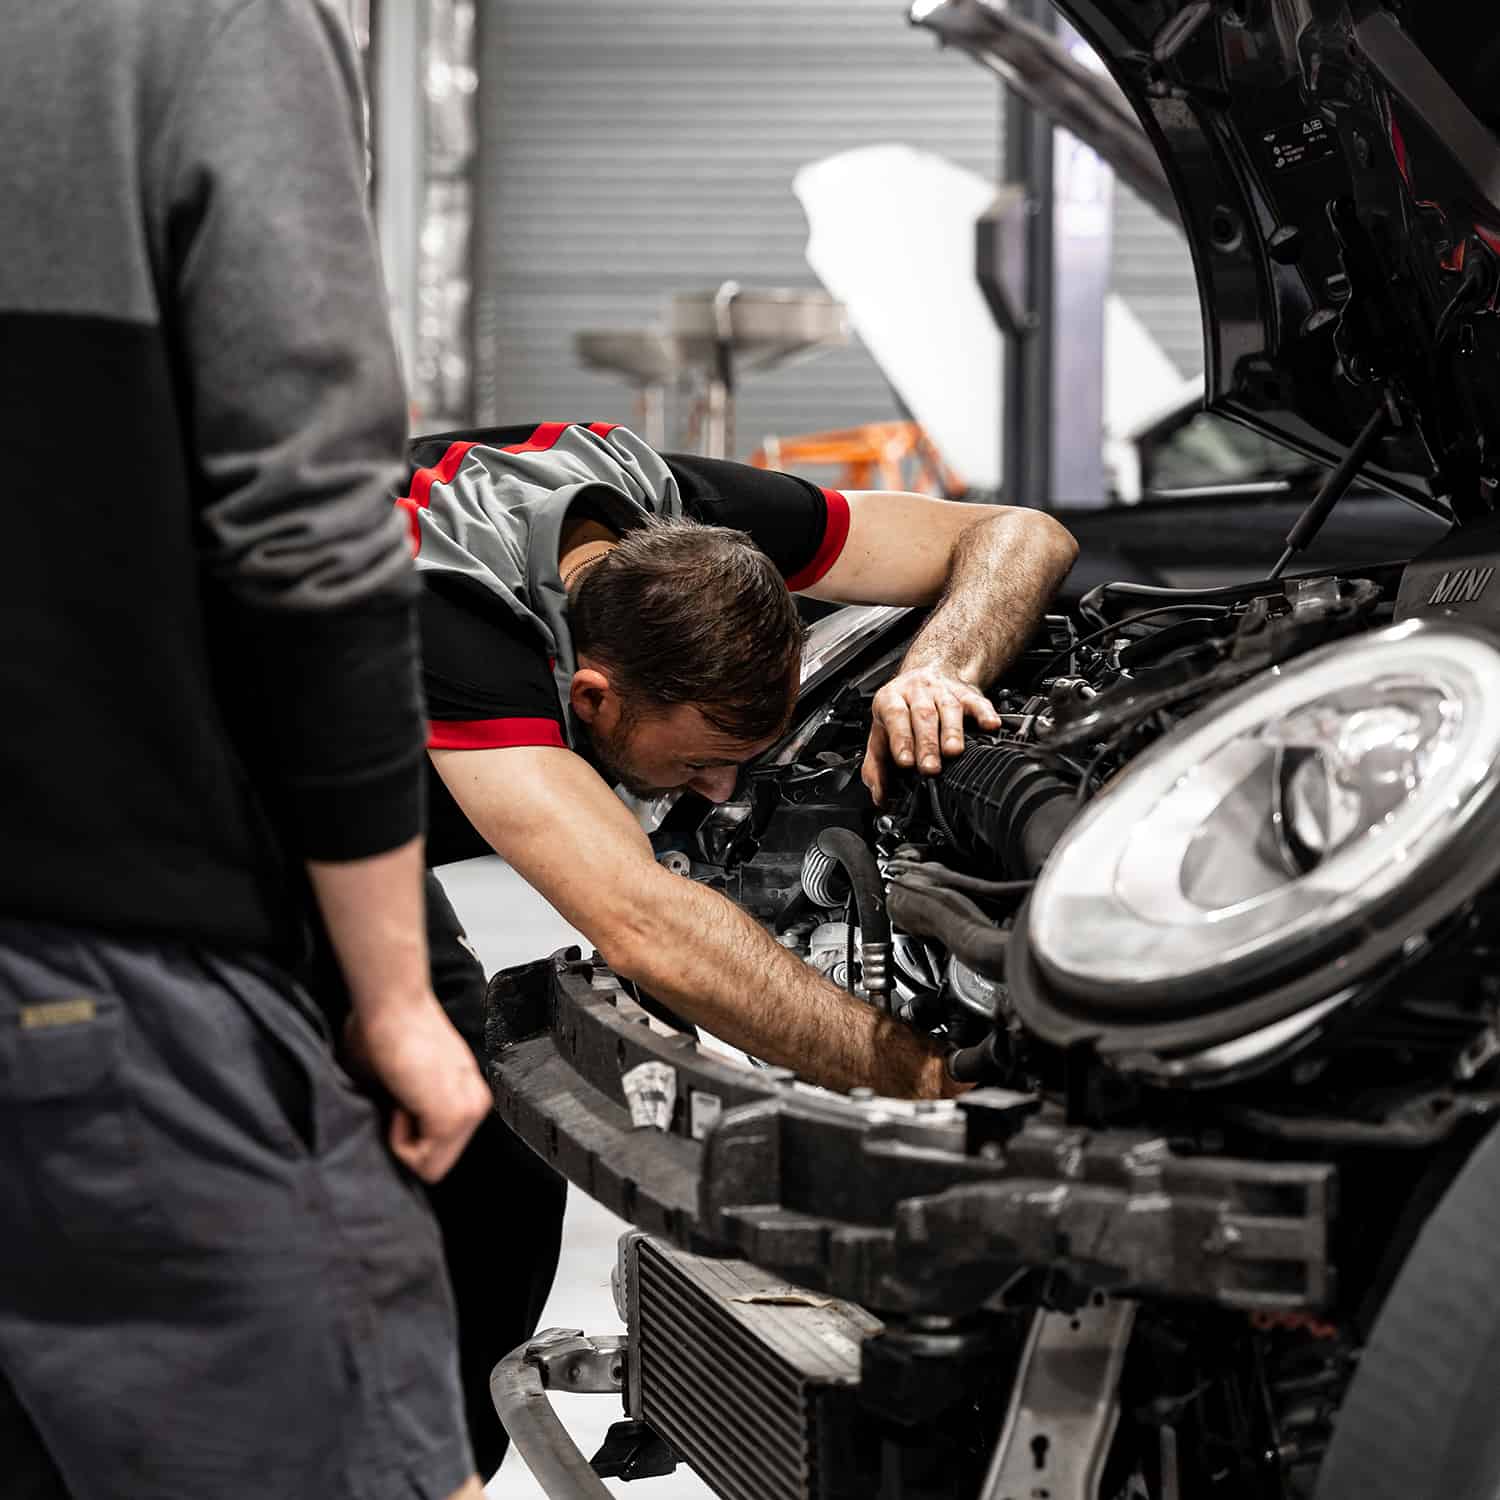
(917, 720)
(431, 1075)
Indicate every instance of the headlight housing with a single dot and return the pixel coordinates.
(1317, 818)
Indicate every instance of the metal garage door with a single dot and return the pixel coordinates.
(632, 148)
(1153, 272)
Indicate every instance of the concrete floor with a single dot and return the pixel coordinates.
(509, 923)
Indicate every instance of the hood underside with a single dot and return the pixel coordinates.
(1336, 171)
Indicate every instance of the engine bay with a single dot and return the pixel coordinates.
(917, 906)
(1205, 923)
(1340, 1051)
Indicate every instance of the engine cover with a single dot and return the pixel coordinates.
(1458, 578)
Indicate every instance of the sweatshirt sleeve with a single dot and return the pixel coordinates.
(296, 418)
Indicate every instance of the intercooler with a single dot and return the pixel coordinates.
(750, 1380)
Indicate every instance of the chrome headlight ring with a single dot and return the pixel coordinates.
(1278, 847)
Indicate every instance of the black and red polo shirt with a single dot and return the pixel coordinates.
(486, 511)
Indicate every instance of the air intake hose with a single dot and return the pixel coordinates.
(839, 862)
(1006, 805)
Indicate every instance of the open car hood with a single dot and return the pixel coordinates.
(1335, 168)
(1034, 64)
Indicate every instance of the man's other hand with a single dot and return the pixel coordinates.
(918, 718)
(430, 1073)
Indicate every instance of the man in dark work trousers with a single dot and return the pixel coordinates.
(595, 613)
(216, 1282)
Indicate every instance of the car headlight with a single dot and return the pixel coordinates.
(1279, 827)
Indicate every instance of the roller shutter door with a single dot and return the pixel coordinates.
(633, 148)
(1153, 271)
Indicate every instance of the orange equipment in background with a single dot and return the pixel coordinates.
(899, 453)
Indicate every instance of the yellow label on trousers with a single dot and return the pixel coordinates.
(58, 1013)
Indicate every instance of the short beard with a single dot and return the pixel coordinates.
(608, 756)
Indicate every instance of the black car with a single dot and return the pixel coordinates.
(1209, 921)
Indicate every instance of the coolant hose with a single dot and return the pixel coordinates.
(857, 859)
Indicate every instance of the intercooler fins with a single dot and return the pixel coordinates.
(752, 1382)
(1002, 804)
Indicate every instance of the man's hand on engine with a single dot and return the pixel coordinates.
(918, 718)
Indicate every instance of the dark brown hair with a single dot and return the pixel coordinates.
(684, 613)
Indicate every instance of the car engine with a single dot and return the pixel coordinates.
(1207, 924)
(937, 908)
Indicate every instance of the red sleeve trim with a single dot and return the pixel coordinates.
(602, 429)
(420, 494)
(835, 534)
(493, 734)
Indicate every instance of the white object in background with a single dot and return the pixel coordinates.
(1141, 387)
(891, 235)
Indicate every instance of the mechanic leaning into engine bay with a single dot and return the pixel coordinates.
(595, 613)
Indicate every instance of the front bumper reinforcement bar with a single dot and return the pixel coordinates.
(899, 1207)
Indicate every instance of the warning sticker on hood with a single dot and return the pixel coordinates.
(1299, 144)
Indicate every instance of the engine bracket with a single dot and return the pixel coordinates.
(1065, 1405)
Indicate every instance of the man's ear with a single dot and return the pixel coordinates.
(593, 698)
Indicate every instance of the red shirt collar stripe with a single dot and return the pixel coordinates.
(444, 472)
(541, 440)
(419, 495)
(547, 434)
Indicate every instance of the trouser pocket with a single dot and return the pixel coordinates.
(68, 1119)
(289, 1051)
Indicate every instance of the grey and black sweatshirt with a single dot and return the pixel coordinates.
(207, 657)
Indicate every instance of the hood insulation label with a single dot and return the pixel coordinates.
(1299, 144)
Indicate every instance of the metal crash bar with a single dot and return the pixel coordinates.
(1063, 1410)
(561, 1359)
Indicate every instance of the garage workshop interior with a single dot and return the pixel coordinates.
(932, 634)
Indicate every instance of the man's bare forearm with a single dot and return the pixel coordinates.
(700, 954)
(374, 914)
(561, 828)
(1004, 571)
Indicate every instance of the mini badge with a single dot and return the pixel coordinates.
(651, 1093)
(1461, 586)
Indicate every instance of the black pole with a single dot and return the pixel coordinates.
(1027, 455)
(1310, 522)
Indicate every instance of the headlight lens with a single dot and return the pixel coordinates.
(1271, 821)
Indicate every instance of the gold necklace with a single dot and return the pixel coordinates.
(578, 567)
